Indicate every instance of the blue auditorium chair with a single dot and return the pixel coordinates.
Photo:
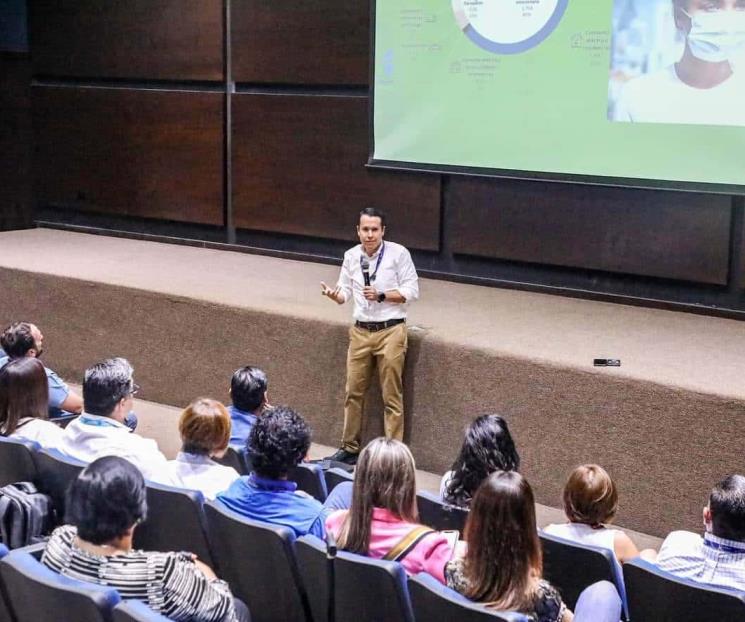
(571, 567)
(258, 562)
(54, 474)
(16, 460)
(136, 611)
(40, 595)
(432, 601)
(364, 588)
(434, 513)
(4, 610)
(658, 596)
(335, 476)
(236, 457)
(175, 522)
(309, 478)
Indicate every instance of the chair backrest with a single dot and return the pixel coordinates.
(314, 572)
(309, 478)
(16, 460)
(235, 457)
(54, 474)
(39, 594)
(434, 513)
(658, 596)
(136, 611)
(175, 522)
(258, 561)
(335, 476)
(5, 615)
(432, 600)
(370, 589)
(571, 567)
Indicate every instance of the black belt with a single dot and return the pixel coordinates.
(376, 326)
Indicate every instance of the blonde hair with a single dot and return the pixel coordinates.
(385, 477)
(590, 496)
(204, 427)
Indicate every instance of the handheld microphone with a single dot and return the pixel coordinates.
(365, 264)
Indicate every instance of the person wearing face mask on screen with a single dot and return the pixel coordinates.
(707, 85)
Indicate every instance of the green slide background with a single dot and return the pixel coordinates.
(440, 99)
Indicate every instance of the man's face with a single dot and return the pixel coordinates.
(38, 342)
(371, 231)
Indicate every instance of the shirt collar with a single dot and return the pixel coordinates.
(100, 422)
(242, 413)
(723, 545)
(386, 516)
(275, 485)
(374, 255)
(183, 456)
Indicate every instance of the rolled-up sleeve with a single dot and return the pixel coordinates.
(408, 281)
(345, 278)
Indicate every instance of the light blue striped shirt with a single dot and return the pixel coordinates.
(711, 560)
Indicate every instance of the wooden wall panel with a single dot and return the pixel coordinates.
(643, 232)
(299, 167)
(155, 154)
(155, 39)
(308, 42)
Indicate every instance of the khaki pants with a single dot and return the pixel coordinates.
(387, 349)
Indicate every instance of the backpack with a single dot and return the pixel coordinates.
(26, 515)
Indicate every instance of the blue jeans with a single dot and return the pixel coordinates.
(598, 603)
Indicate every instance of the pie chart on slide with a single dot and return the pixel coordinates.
(508, 26)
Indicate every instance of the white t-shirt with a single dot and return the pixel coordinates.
(584, 534)
(198, 473)
(661, 97)
(46, 433)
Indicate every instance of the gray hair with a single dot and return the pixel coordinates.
(106, 384)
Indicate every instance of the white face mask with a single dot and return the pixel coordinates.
(716, 36)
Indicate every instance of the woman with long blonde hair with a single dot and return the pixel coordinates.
(383, 519)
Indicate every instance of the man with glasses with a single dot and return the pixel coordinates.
(102, 429)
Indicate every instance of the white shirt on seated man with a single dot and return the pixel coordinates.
(108, 396)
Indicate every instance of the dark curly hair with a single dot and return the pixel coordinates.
(487, 447)
(279, 440)
(106, 499)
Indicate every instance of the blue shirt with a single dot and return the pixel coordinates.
(241, 424)
(277, 502)
(58, 390)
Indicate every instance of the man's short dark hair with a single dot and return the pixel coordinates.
(374, 212)
(105, 384)
(279, 440)
(727, 505)
(106, 499)
(17, 340)
(248, 388)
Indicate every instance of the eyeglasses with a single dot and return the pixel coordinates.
(135, 389)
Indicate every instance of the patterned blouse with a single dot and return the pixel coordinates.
(547, 607)
(169, 583)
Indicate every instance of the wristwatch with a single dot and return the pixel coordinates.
(381, 296)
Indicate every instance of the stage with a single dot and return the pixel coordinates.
(666, 424)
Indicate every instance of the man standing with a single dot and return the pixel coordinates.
(381, 280)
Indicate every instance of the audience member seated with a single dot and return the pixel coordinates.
(108, 394)
(205, 430)
(24, 395)
(279, 441)
(105, 504)
(717, 558)
(383, 519)
(503, 562)
(248, 393)
(590, 504)
(487, 447)
(23, 339)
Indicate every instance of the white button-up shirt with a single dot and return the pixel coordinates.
(90, 437)
(394, 271)
(199, 473)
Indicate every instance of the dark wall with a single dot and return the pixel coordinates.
(142, 125)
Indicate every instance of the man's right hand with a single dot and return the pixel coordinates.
(334, 294)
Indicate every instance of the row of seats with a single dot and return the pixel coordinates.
(255, 557)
